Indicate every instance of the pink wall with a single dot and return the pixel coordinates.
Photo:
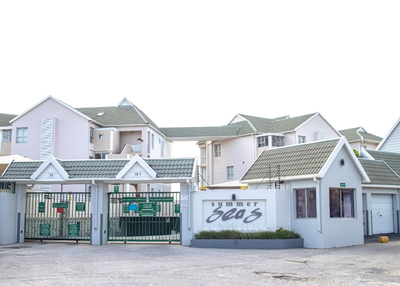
(71, 137)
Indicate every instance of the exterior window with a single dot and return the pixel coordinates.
(152, 141)
(230, 173)
(101, 136)
(22, 135)
(302, 139)
(306, 203)
(6, 136)
(203, 175)
(277, 141)
(203, 156)
(262, 141)
(341, 203)
(217, 150)
(91, 131)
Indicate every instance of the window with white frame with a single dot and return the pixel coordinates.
(306, 203)
(302, 139)
(341, 203)
(262, 141)
(22, 135)
(217, 150)
(91, 134)
(6, 137)
(277, 141)
(230, 172)
(152, 141)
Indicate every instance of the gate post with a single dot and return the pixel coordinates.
(186, 227)
(99, 214)
(8, 218)
(20, 192)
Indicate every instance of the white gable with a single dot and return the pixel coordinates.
(50, 170)
(391, 142)
(138, 169)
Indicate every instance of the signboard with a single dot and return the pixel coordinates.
(203, 188)
(147, 209)
(116, 189)
(41, 207)
(343, 185)
(161, 199)
(126, 209)
(60, 205)
(242, 187)
(134, 200)
(239, 214)
(73, 229)
(177, 208)
(45, 229)
(80, 207)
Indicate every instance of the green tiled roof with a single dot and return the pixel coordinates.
(354, 134)
(277, 125)
(237, 129)
(379, 173)
(117, 116)
(5, 119)
(295, 160)
(390, 158)
(108, 169)
(21, 170)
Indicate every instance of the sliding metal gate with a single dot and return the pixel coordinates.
(140, 216)
(57, 216)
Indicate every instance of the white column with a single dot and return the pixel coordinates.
(99, 214)
(8, 218)
(186, 221)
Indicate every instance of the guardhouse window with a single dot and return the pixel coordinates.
(306, 203)
(341, 203)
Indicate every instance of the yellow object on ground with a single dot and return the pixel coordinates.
(383, 239)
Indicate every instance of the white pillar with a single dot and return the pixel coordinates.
(8, 218)
(20, 192)
(99, 214)
(186, 221)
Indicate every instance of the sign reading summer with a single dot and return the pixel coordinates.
(246, 215)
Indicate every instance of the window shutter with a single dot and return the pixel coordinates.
(47, 138)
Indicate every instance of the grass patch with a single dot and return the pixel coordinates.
(234, 234)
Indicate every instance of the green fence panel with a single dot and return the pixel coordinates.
(144, 216)
(57, 216)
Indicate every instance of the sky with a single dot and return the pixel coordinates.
(198, 63)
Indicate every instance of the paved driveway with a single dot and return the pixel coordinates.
(57, 263)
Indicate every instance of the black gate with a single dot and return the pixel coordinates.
(143, 216)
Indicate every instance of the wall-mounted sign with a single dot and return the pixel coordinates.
(343, 185)
(116, 189)
(41, 207)
(240, 215)
(161, 199)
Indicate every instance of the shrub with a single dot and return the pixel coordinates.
(234, 234)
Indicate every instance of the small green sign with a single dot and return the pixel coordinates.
(342, 185)
(80, 207)
(126, 209)
(116, 189)
(134, 200)
(45, 229)
(60, 205)
(147, 209)
(41, 207)
(161, 199)
(177, 208)
(73, 229)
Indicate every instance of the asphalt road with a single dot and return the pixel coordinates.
(61, 263)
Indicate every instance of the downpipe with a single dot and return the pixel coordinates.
(95, 204)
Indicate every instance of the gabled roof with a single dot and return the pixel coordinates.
(52, 98)
(298, 161)
(118, 116)
(355, 135)
(380, 173)
(5, 119)
(390, 158)
(85, 170)
(389, 133)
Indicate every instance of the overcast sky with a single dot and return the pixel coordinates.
(198, 63)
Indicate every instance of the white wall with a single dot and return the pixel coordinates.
(239, 153)
(252, 210)
(309, 130)
(342, 231)
(71, 132)
(8, 218)
(392, 143)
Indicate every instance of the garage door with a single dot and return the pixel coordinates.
(382, 214)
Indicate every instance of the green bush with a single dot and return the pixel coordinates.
(234, 234)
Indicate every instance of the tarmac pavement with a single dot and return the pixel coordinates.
(66, 263)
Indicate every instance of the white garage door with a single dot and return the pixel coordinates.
(382, 214)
